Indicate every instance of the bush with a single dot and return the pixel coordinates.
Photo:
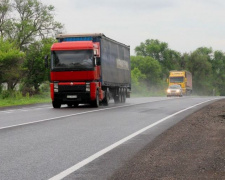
(45, 87)
(5, 94)
(27, 90)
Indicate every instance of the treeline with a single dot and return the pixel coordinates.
(154, 59)
(27, 30)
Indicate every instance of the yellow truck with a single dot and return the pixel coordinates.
(182, 78)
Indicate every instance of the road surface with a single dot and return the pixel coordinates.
(39, 142)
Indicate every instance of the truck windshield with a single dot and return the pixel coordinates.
(69, 60)
(176, 79)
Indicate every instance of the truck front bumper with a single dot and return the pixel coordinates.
(65, 98)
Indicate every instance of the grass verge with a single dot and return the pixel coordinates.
(20, 100)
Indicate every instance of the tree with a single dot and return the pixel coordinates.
(35, 65)
(169, 59)
(148, 67)
(218, 68)
(4, 11)
(36, 21)
(201, 68)
(11, 59)
(137, 79)
(153, 48)
(33, 21)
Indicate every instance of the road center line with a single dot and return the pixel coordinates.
(109, 148)
(70, 115)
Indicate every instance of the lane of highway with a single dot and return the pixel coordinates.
(43, 150)
(46, 112)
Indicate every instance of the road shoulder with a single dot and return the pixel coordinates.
(192, 149)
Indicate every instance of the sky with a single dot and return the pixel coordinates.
(184, 24)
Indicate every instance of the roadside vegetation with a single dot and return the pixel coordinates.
(28, 29)
(16, 98)
(154, 59)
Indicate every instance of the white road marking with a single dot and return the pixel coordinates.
(109, 148)
(70, 115)
(25, 109)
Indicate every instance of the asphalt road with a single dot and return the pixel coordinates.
(39, 142)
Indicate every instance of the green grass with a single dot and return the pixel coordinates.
(20, 100)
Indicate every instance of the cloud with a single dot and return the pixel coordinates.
(184, 25)
(124, 4)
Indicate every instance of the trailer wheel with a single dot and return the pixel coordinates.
(124, 95)
(120, 95)
(116, 99)
(56, 104)
(95, 103)
(116, 96)
(106, 99)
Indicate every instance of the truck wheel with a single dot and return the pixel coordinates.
(95, 103)
(106, 99)
(124, 95)
(56, 104)
(116, 99)
(120, 95)
(116, 96)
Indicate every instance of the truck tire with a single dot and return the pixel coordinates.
(120, 95)
(95, 103)
(56, 104)
(106, 99)
(124, 95)
(116, 96)
(116, 99)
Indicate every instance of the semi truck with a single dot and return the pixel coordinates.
(89, 69)
(182, 78)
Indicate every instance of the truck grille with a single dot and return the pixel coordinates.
(77, 88)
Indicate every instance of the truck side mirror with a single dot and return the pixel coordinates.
(46, 61)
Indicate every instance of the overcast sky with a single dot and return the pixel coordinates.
(184, 24)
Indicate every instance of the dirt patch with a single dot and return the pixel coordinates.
(192, 149)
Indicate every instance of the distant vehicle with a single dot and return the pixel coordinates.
(182, 78)
(89, 68)
(174, 90)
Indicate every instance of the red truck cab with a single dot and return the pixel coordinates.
(75, 73)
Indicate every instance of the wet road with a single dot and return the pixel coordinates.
(39, 142)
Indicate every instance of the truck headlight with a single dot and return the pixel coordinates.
(87, 87)
(56, 87)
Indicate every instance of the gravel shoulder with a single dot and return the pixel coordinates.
(192, 149)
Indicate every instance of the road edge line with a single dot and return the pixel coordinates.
(91, 158)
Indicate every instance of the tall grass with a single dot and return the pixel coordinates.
(12, 98)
